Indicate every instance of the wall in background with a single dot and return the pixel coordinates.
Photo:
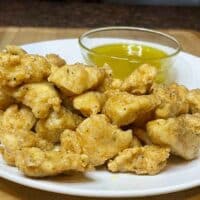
(158, 2)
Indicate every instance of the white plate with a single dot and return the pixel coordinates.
(178, 175)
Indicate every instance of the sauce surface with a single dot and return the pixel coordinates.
(132, 56)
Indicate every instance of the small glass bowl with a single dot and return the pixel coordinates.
(122, 67)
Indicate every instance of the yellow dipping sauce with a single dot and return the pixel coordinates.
(125, 58)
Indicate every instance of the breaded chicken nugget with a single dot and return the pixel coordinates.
(70, 142)
(173, 100)
(181, 134)
(34, 162)
(40, 97)
(18, 69)
(149, 159)
(141, 80)
(14, 50)
(89, 103)
(51, 127)
(75, 79)
(101, 140)
(16, 139)
(124, 108)
(55, 59)
(16, 117)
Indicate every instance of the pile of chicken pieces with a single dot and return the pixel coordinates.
(56, 118)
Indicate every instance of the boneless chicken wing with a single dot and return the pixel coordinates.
(101, 140)
(140, 160)
(51, 127)
(141, 80)
(123, 108)
(181, 134)
(55, 59)
(173, 100)
(89, 103)
(14, 50)
(16, 139)
(40, 97)
(16, 117)
(70, 142)
(18, 69)
(34, 162)
(75, 79)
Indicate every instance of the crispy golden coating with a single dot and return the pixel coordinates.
(109, 83)
(101, 140)
(141, 80)
(89, 103)
(16, 139)
(43, 102)
(123, 108)
(135, 142)
(16, 117)
(55, 59)
(34, 162)
(70, 142)
(5, 99)
(193, 98)
(51, 127)
(173, 100)
(18, 69)
(14, 50)
(75, 79)
(142, 135)
(40, 97)
(181, 134)
(140, 160)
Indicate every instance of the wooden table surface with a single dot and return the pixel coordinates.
(190, 41)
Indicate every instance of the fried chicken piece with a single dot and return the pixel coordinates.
(5, 99)
(34, 162)
(141, 80)
(109, 83)
(181, 134)
(123, 108)
(70, 142)
(142, 135)
(16, 139)
(89, 103)
(16, 117)
(149, 159)
(40, 97)
(18, 69)
(173, 100)
(135, 142)
(101, 140)
(51, 127)
(55, 59)
(75, 79)
(14, 50)
(193, 98)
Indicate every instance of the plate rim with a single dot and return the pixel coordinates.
(87, 192)
(32, 183)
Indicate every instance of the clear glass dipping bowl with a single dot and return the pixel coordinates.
(122, 67)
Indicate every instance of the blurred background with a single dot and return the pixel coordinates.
(24, 21)
(95, 13)
(159, 2)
